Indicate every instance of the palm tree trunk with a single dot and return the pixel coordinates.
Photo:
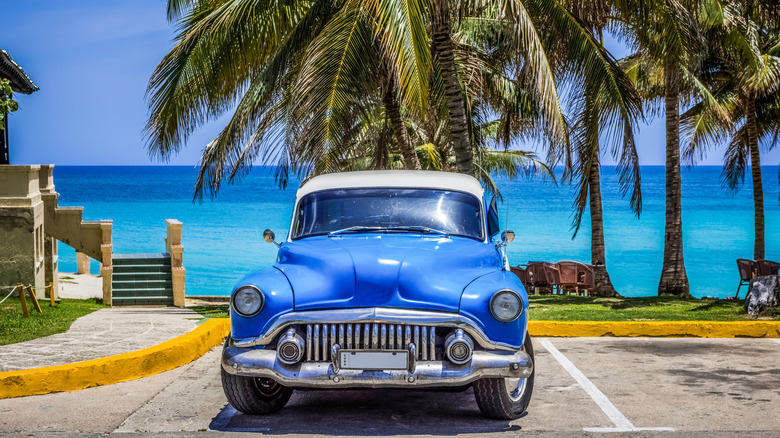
(399, 128)
(674, 280)
(598, 256)
(381, 159)
(755, 170)
(442, 46)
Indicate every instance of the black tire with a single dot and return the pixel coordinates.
(494, 398)
(254, 396)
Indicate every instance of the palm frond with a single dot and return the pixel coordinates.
(735, 161)
(401, 26)
(429, 156)
(209, 67)
(249, 121)
(331, 84)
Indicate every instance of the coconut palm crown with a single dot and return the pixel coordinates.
(300, 75)
(743, 73)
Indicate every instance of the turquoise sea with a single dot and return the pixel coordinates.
(222, 237)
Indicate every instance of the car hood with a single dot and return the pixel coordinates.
(384, 270)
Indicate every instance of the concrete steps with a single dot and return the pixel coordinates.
(142, 279)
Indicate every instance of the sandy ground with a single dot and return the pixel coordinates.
(80, 286)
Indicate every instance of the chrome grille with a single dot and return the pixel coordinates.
(320, 339)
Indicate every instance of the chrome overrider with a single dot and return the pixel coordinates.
(497, 362)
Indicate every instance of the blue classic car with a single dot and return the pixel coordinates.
(387, 279)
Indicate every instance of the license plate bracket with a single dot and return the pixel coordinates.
(374, 360)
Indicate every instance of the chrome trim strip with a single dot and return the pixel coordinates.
(424, 344)
(263, 363)
(378, 315)
(308, 342)
(416, 338)
(432, 343)
(316, 342)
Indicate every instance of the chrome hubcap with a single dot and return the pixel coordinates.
(515, 388)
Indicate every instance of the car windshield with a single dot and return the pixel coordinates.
(388, 210)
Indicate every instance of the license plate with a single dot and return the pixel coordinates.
(374, 360)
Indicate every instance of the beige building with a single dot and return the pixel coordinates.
(31, 223)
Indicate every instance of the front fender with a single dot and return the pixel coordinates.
(475, 304)
(279, 300)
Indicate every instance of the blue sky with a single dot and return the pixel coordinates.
(92, 60)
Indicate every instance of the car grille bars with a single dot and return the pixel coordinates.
(320, 339)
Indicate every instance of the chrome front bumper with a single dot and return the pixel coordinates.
(255, 362)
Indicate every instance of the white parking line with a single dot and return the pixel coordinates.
(776, 340)
(619, 420)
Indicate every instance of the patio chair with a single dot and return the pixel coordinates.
(576, 276)
(585, 279)
(567, 276)
(553, 276)
(532, 273)
(748, 270)
(521, 274)
(542, 277)
(767, 267)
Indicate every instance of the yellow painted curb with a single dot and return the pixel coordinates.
(114, 369)
(672, 329)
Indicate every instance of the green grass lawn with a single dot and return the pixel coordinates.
(15, 328)
(212, 311)
(574, 308)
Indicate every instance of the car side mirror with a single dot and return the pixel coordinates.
(269, 237)
(507, 236)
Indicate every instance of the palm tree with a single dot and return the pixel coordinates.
(587, 130)
(302, 69)
(299, 73)
(602, 115)
(442, 47)
(667, 36)
(743, 73)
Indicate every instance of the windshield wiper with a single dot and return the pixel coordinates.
(420, 229)
(355, 229)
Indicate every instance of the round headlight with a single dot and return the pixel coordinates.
(248, 300)
(506, 305)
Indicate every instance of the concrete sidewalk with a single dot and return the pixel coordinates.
(105, 332)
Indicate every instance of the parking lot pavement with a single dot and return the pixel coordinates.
(584, 387)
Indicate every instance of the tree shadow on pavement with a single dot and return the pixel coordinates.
(369, 413)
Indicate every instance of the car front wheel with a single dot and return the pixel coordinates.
(506, 399)
(253, 395)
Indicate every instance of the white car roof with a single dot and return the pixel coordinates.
(393, 178)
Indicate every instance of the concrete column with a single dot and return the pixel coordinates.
(51, 259)
(21, 227)
(107, 266)
(174, 247)
(50, 255)
(82, 263)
